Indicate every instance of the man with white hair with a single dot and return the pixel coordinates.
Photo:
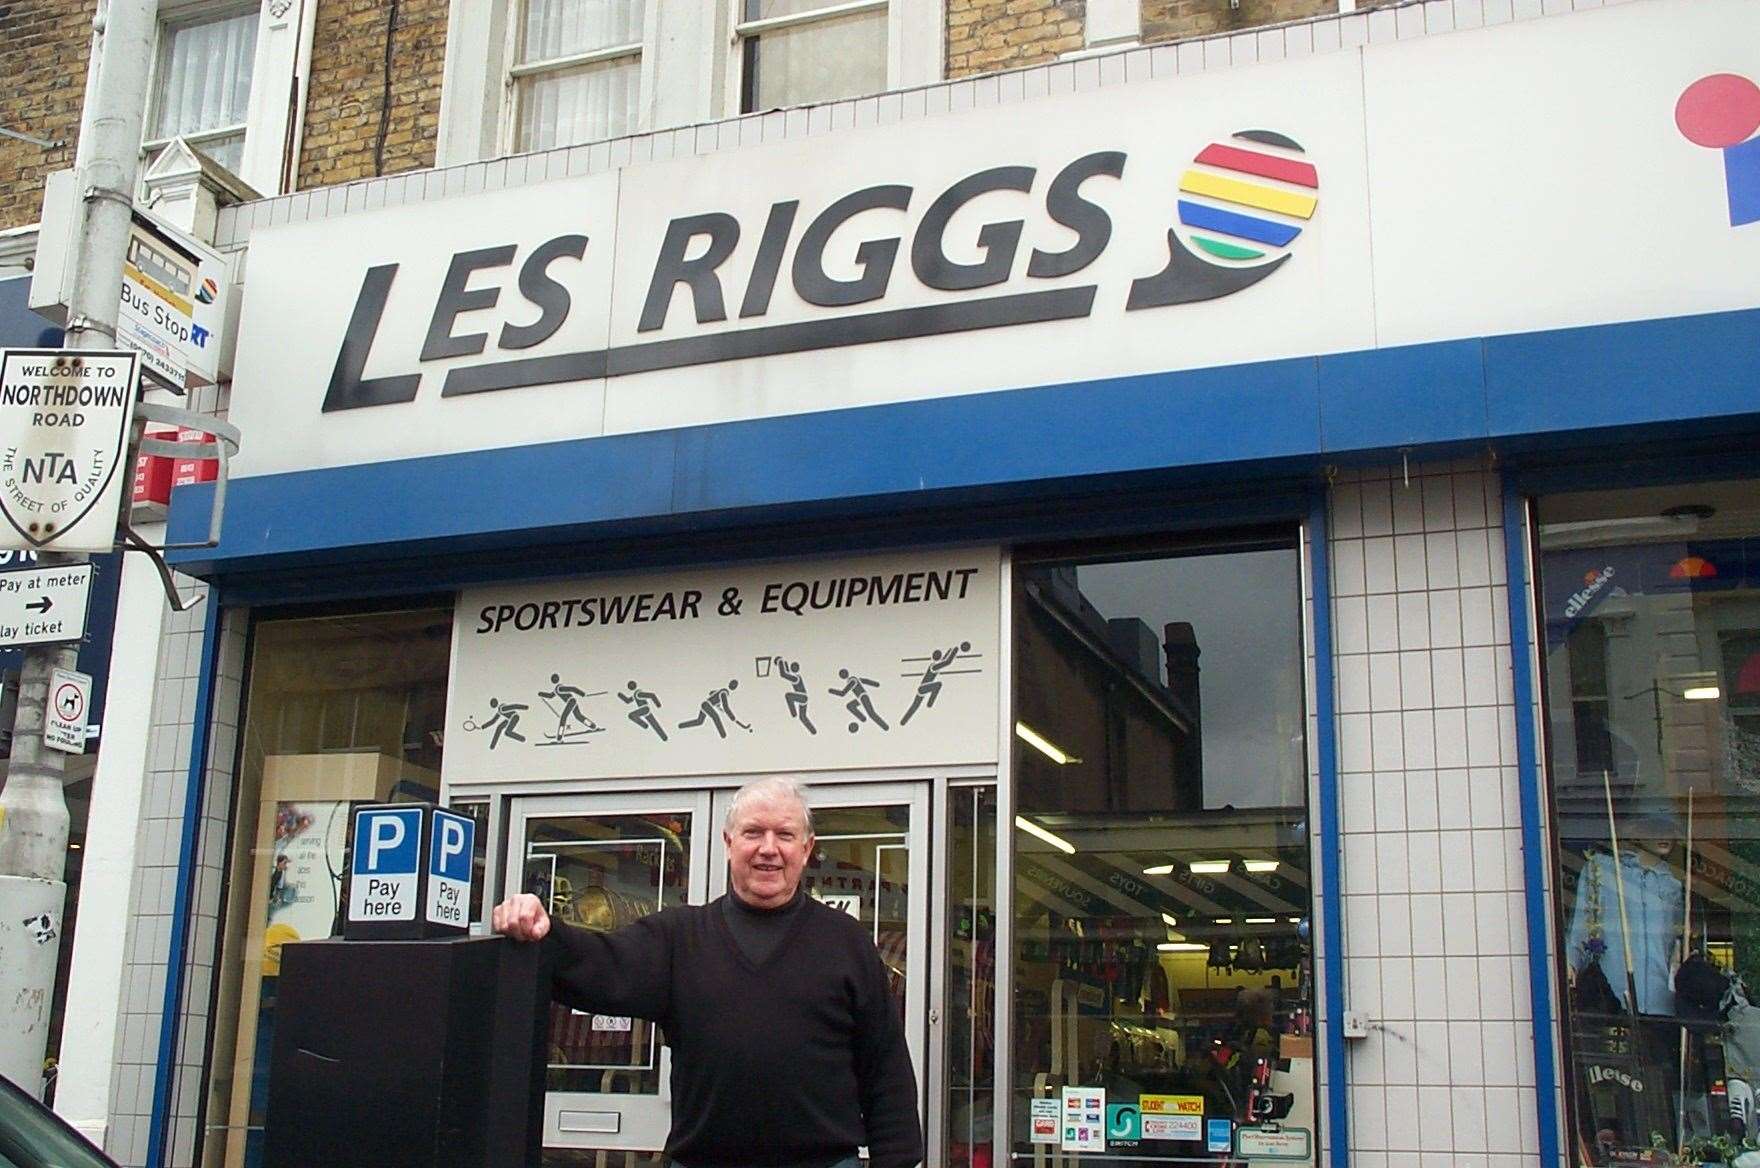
(787, 1050)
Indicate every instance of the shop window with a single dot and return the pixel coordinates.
(1651, 622)
(577, 72)
(202, 83)
(795, 52)
(339, 710)
(970, 1138)
(1163, 977)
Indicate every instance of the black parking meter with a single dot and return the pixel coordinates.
(408, 1044)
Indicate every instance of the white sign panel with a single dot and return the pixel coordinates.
(1046, 1115)
(1274, 1143)
(1084, 1119)
(70, 702)
(878, 661)
(44, 606)
(174, 300)
(449, 869)
(63, 433)
(160, 283)
(387, 844)
(1201, 220)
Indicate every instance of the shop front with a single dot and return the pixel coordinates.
(1259, 649)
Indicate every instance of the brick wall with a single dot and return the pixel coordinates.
(986, 35)
(1165, 20)
(344, 101)
(43, 49)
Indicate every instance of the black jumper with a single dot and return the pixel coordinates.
(788, 1062)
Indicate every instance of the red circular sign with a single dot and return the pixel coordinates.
(70, 703)
(1720, 110)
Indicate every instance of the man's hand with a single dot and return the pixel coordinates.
(521, 917)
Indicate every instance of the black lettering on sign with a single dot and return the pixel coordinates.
(874, 257)
(349, 388)
(536, 285)
(998, 241)
(672, 268)
(1090, 222)
(456, 300)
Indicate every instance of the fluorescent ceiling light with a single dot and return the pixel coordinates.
(1260, 865)
(1703, 693)
(1055, 841)
(1182, 947)
(1225, 920)
(1159, 870)
(1169, 920)
(1261, 920)
(1208, 867)
(1294, 920)
(1043, 745)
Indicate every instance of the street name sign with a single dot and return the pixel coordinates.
(44, 606)
(64, 420)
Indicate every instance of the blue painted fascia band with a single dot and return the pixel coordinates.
(195, 789)
(1540, 974)
(1555, 390)
(1331, 895)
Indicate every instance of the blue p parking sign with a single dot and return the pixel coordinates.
(450, 848)
(386, 868)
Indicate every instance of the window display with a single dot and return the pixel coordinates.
(1163, 973)
(339, 710)
(1651, 613)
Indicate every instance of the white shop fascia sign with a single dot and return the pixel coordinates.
(1203, 220)
(825, 665)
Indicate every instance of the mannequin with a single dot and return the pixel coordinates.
(1655, 905)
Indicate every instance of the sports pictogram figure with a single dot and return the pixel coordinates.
(714, 707)
(564, 701)
(644, 703)
(796, 697)
(929, 685)
(861, 707)
(504, 721)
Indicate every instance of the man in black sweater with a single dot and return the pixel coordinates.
(787, 1050)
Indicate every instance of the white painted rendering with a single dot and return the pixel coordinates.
(92, 1033)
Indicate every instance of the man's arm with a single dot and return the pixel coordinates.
(628, 971)
(884, 1075)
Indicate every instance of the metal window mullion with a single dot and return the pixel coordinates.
(573, 60)
(751, 28)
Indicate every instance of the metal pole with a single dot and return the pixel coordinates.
(33, 805)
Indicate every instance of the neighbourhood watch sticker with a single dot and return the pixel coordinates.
(63, 432)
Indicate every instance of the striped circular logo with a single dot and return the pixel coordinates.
(1243, 202)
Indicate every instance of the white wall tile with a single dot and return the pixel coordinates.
(1384, 681)
(1410, 563)
(1390, 801)
(1380, 573)
(1402, 1117)
(1347, 568)
(1424, 861)
(1408, 506)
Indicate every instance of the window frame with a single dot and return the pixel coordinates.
(915, 44)
(273, 122)
(514, 71)
(183, 16)
(691, 68)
